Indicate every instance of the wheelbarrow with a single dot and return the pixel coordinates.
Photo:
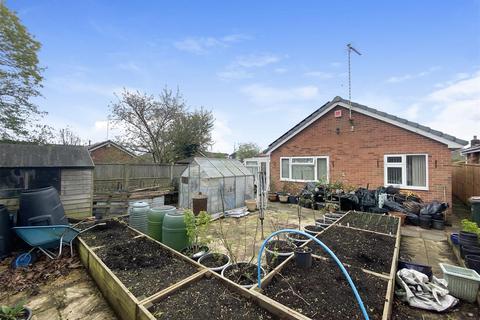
(46, 238)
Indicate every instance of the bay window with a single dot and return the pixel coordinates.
(304, 169)
(409, 171)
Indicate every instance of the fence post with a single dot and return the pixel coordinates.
(126, 176)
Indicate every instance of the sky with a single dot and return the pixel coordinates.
(259, 66)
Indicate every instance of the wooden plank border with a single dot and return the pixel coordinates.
(389, 297)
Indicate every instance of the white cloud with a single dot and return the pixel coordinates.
(222, 135)
(129, 66)
(280, 70)
(454, 109)
(267, 95)
(202, 45)
(238, 68)
(319, 74)
(256, 60)
(408, 76)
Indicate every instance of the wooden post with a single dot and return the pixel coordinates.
(126, 176)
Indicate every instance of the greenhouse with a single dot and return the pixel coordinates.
(226, 182)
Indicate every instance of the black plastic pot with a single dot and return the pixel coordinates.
(293, 199)
(438, 224)
(468, 241)
(415, 266)
(467, 250)
(303, 257)
(473, 262)
(425, 222)
(468, 236)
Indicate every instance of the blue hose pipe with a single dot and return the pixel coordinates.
(324, 247)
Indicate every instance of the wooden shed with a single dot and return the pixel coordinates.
(67, 168)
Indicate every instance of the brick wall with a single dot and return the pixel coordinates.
(111, 155)
(357, 158)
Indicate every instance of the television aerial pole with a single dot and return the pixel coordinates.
(350, 48)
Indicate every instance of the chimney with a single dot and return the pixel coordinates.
(474, 142)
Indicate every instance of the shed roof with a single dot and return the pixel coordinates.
(219, 168)
(450, 141)
(35, 156)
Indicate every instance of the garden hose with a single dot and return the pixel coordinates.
(324, 247)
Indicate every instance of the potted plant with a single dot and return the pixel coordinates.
(272, 195)
(17, 312)
(196, 229)
(283, 196)
(215, 261)
(277, 251)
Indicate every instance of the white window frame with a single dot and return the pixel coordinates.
(403, 165)
(304, 157)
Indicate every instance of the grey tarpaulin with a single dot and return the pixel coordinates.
(419, 292)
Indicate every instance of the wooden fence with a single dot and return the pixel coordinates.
(126, 177)
(466, 181)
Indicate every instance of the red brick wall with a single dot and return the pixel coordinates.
(111, 155)
(357, 157)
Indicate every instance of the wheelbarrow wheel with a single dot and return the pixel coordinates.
(24, 260)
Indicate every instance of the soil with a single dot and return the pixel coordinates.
(242, 273)
(357, 248)
(208, 299)
(322, 292)
(215, 260)
(280, 246)
(297, 236)
(143, 266)
(371, 221)
(112, 232)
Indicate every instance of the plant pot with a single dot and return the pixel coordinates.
(272, 196)
(283, 198)
(400, 215)
(243, 273)
(454, 238)
(303, 257)
(438, 224)
(195, 252)
(25, 314)
(215, 261)
(467, 250)
(415, 266)
(293, 199)
(277, 251)
(425, 222)
(297, 238)
(323, 223)
(313, 230)
(251, 204)
(473, 262)
(467, 241)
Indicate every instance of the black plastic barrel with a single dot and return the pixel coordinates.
(473, 262)
(40, 207)
(5, 233)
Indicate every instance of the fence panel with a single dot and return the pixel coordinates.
(466, 181)
(126, 177)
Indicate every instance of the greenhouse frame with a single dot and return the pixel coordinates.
(226, 182)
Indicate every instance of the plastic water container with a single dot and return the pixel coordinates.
(174, 231)
(156, 216)
(138, 216)
(158, 202)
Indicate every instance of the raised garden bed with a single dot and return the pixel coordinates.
(112, 232)
(322, 292)
(144, 267)
(362, 249)
(371, 221)
(208, 298)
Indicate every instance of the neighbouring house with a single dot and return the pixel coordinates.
(69, 169)
(472, 153)
(369, 148)
(111, 152)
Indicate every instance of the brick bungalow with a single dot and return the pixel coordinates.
(369, 147)
(472, 154)
(111, 152)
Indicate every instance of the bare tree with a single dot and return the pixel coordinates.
(162, 127)
(68, 138)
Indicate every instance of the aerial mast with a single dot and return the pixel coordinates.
(350, 49)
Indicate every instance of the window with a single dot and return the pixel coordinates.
(409, 171)
(303, 169)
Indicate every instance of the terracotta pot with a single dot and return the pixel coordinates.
(272, 196)
(251, 204)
